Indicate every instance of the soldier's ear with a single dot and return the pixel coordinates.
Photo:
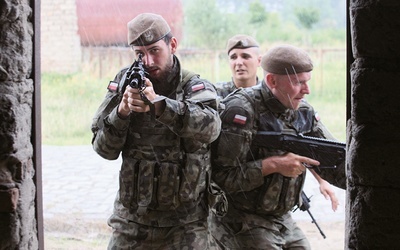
(174, 44)
(270, 80)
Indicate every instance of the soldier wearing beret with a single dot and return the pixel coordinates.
(244, 59)
(163, 133)
(263, 185)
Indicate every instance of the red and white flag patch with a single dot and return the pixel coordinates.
(112, 86)
(317, 118)
(198, 87)
(240, 119)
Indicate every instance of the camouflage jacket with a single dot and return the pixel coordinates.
(225, 88)
(237, 163)
(165, 159)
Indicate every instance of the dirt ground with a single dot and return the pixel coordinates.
(334, 232)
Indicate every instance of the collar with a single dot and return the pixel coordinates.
(271, 102)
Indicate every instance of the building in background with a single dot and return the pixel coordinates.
(68, 25)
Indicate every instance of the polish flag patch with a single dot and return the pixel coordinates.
(240, 119)
(198, 87)
(317, 118)
(112, 86)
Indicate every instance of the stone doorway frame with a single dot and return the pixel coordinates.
(36, 126)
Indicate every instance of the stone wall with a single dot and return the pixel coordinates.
(60, 42)
(373, 197)
(18, 227)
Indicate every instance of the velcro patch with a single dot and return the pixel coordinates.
(112, 86)
(239, 119)
(198, 87)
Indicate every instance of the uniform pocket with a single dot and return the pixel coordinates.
(281, 195)
(270, 194)
(145, 185)
(168, 186)
(194, 177)
(128, 182)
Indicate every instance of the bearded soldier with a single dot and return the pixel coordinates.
(163, 132)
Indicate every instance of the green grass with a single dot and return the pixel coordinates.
(69, 102)
(68, 105)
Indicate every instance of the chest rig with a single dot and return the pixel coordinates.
(161, 170)
(278, 194)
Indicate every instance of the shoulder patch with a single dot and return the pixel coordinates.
(236, 116)
(198, 87)
(112, 86)
(317, 117)
(239, 119)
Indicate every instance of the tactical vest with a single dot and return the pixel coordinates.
(162, 171)
(278, 194)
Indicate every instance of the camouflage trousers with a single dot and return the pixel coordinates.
(267, 236)
(130, 235)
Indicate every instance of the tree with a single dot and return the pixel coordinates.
(258, 15)
(206, 26)
(307, 16)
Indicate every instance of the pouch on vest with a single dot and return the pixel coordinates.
(280, 195)
(194, 177)
(145, 185)
(168, 186)
(217, 200)
(128, 183)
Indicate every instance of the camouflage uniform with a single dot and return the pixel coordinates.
(225, 88)
(164, 177)
(259, 206)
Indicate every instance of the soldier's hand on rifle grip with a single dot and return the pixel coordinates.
(136, 98)
(289, 164)
(123, 107)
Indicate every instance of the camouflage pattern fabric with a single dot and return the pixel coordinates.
(130, 235)
(165, 159)
(249, 233)
(258, 201)
(224, 88)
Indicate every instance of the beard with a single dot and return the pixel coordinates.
(162, 83)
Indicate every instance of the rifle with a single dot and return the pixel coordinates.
(305, 206)
(329, 153)
(135, 77)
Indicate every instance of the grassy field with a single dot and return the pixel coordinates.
(69, 102)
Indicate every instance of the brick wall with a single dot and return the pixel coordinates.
(60, 42)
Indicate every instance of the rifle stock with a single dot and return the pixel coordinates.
(329, 153)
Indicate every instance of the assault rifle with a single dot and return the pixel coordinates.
(135, 77)
(136, 73)
(329, 153)
(305, 206)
